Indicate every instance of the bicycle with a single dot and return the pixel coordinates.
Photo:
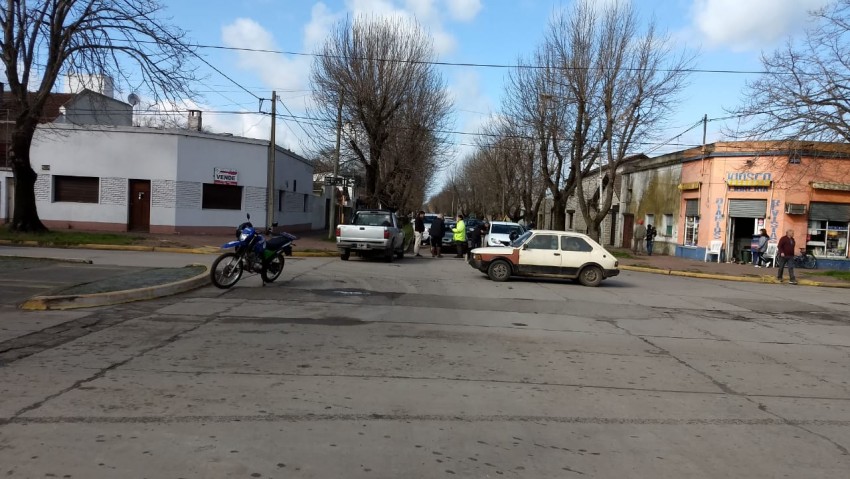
(805, 260)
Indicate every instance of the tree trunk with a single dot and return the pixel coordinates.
(25, 217)
(559, 208)
(594, 230)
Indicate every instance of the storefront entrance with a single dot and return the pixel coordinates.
(746, 218)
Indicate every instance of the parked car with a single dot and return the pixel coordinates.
(371, 232)
(550, 254)
(448, 236)
(502, 233)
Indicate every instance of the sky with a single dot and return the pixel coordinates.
(727, 35)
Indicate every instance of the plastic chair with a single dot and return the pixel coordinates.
(769, 256)
(714, 248)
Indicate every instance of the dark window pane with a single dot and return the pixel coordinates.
(549, 242)
(221, 197)
(76, 189)
(571, 243)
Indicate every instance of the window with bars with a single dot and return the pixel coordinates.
(76, 189)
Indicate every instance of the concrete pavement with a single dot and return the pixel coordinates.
(425, 368)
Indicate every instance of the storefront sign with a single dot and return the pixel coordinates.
(822, 185)
(748, 183)
(689, 186)
(225, 176)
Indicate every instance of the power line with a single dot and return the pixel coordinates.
(469, 64)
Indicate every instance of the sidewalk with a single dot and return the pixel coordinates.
(663, 264)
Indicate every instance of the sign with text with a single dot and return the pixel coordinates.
(225, 176)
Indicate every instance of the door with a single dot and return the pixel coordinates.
(140, 206)
(540, 255)
(628, 227)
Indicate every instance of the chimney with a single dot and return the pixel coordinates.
(195, 121)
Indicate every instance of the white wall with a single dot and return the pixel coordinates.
(114, 155)
(92, 109)
(294, 176)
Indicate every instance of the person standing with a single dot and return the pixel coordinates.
(418, 231)
(785, 252)
(761, 248)
(639, 236)
(438, 228)
(650, 238)
(460, 237)
(475, 236)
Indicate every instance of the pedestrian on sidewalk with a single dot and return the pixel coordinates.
(650, 238)
(418, 231)
(761, 248)
(438, 228)
(785, 252)
(638, 237)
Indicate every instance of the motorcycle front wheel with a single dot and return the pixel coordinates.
(272, 268)
(226, 270)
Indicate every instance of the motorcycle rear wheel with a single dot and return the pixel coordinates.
(810, 262)
(272, 268)
(229, 273)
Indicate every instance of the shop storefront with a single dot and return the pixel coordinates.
(734, 190)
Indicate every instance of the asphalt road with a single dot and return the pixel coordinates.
(424, 368)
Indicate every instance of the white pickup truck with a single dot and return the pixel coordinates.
(371, 232)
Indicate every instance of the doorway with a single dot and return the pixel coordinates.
(741, 233)
(628, 227)
(140, 206)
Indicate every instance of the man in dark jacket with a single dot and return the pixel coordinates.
(785, 253)
(418, 231)
(438, 229)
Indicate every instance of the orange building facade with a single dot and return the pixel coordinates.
(731, 190)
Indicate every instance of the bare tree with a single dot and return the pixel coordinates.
(804, 93)
(617, 84)
(379, 70)
(42, 39)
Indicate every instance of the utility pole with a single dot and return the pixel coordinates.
(333, 213)
(270, 167)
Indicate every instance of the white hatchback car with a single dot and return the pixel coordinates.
(549, 254)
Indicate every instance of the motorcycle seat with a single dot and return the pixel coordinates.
(276, 242)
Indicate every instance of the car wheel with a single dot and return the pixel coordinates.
(591, 276)
(344, 254)
(499, 271)
(400, 253)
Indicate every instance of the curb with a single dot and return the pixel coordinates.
(155, 249)
(49, 258)
(73, 301)
(767, 279)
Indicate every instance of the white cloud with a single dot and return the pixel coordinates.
(750, 24)
(463, 10)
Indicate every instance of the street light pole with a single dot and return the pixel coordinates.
(332, 218)
(270, 167)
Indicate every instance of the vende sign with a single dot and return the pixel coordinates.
(225, 176)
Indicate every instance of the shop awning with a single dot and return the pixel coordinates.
(689, 186)
(823, 185)
(748, 182)
(829, 211)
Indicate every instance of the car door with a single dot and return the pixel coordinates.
(575, 252)
(540, 255)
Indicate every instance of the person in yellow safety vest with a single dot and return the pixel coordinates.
(460, 236)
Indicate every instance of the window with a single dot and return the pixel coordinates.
(668, 225)
(221, 197)
(280, 196)
(76, 189)
(691, 230)
(306, 203)
(549, 242)
(571, 243)
(828, 238)
(294, 185)
(373, 219)
(570, 217)
(650, 220)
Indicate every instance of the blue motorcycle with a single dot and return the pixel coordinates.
(252, 253)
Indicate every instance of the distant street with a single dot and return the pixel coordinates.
(425, 368)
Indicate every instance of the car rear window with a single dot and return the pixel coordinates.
(373, 219)
(571, 243)
(505, 229)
